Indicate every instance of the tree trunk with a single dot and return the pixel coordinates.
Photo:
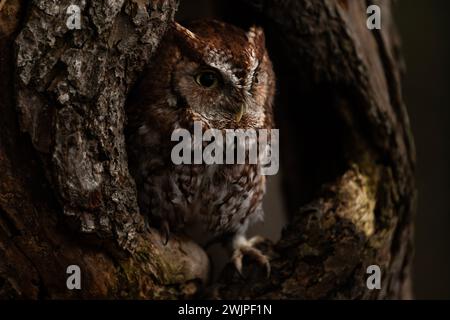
(66, 197)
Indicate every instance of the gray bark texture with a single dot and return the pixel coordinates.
(66, 196)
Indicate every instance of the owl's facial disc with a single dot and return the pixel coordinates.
(219, 97)
(226, 85)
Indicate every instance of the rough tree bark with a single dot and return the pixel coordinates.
(66, 196)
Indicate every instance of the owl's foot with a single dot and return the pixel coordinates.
(245, 247)
(147, 225)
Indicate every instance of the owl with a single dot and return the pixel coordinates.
(220, 76)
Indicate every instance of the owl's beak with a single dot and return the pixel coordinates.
(240, 113)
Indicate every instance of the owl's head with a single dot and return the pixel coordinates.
(223, 74)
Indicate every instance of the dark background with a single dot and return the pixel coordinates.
(425, 30)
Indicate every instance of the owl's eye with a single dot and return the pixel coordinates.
(207, 79)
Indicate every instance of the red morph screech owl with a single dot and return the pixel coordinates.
(222, 76)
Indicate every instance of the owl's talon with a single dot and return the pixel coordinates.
(165, 232)
(147, 224)
(243, 247)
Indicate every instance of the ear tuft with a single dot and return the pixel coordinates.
(256, 37)
(187, 39)
(184, 32)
